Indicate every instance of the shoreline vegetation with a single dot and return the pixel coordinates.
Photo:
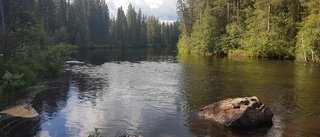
(282, 29)
(38, 36)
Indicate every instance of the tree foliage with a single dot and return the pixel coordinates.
(308, 44)
(260, 28)
(35, 34)
(27, 51)
(88, 24)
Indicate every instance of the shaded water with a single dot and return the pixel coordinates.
(155, 93)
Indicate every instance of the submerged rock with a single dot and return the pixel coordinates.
(248, 111)
(75, 62)
(25, 111)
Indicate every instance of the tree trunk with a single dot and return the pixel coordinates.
(228, 8)
(3, 25)
(238, 8)
(269, 11)
(319, 8)
(201, 11)
(234, 8)
(298, 12)
(304, 50)
(200, 15)
(312, 56)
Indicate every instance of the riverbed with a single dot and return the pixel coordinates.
(155, 92)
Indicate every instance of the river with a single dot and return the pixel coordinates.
(154, 92)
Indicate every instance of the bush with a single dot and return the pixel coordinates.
(12, 80)
(32, 63)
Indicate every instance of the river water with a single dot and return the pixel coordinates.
(157, 93)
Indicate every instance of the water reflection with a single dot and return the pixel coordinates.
(99, 57)
(154, 92)
(11, 126)
(111, 97)
(289, 88)
(47, 99)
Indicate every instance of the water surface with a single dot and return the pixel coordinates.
(157, 93)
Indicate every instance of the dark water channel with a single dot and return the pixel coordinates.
(157, 93)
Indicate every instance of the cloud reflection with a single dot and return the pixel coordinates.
(126, 96)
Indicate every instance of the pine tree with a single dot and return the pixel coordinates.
(132, 24)
(139, 29)
(47, 9)
(61, 14)
(204, 34)
(105, 23)
(3, 25)
(94, 22)
(144, 35)
(81, 34)
(70, 24)
(121, 28)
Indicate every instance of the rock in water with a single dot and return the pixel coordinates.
(237, 112)
(75, 63)
(25, 111)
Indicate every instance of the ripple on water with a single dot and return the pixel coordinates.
(161, 97)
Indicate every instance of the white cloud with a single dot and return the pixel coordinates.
(154, 4)
(164, 9)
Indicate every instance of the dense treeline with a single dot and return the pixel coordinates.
(35, 35)
(259, 28)
(134, 29)
(88, 23)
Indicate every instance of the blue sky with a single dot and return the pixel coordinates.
(164, 9)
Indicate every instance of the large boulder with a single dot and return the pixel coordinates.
(238, 112)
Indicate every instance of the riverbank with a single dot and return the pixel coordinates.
(245, 54)
(29, 66)
(154, 92)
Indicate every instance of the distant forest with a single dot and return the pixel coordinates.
(88, 23)
(256, 28)
(36, 36)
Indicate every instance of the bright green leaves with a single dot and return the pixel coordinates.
(308, 45)
(96, 133)
(204, 34)
(260, 28)
(13, 80)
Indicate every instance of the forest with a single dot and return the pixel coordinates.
(285, 29)
(37, 36)
(88, 23)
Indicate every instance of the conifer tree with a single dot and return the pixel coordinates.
(205, 33)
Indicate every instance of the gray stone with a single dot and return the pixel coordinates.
(239, 112)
